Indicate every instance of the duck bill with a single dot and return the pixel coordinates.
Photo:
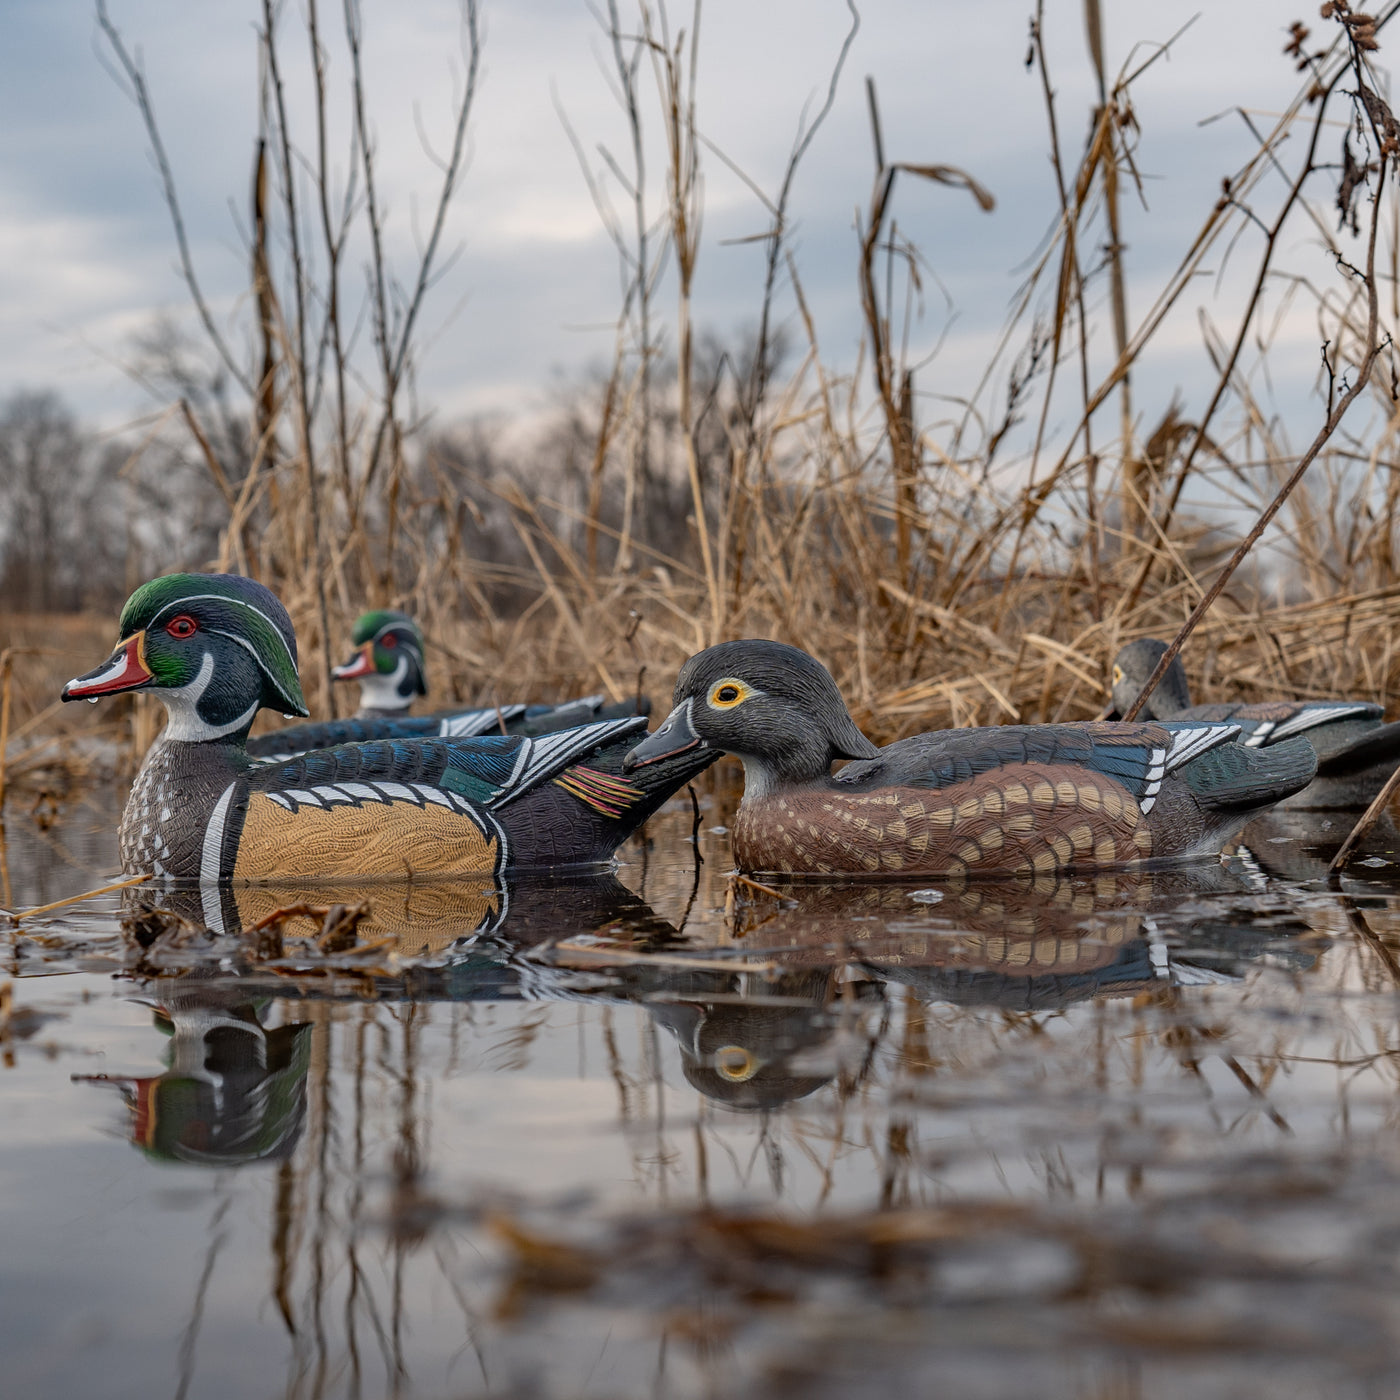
(360, 664)
(675, 736)
(125, 670)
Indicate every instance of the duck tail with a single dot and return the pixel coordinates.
(1378, 745)
(1231, 777)
(636, 705)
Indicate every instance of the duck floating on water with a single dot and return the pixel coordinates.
(216, 648)
(1028, 798)
(1356, 751)
(388, 664)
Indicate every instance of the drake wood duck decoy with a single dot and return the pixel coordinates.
(388, 663)
(1031, 798)
(1356, 751)
(217, 647)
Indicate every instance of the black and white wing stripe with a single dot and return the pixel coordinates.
(1188, 741)
(472, 722)
(540, 758)
(1271, 731)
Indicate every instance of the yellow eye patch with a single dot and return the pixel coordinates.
(734, 1063)
(1117, 674)
(725, 694)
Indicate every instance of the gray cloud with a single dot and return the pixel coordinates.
(86, 255)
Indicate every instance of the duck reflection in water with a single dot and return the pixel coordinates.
(798, 1004)
(1045, 943)
(233, 1092)
(412, 922)
(760, 1039)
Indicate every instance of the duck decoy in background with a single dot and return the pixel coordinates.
(1356, 750)
(217, 647)
(1039, 798)
(388, 663)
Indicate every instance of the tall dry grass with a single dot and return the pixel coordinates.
(981, 569)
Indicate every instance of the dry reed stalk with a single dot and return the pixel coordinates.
(959, 573)
(6, 664)
(79, 898)
(1372, 343)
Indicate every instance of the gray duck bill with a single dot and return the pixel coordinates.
(675, 736)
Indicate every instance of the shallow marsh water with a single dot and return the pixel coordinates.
(662, 1136)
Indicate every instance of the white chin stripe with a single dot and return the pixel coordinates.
(379, 692)
(184, 726)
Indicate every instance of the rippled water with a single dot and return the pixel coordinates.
(667, 1135)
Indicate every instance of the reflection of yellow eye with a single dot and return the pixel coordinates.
(734, 1063)
(1117, 674)
(725, 694)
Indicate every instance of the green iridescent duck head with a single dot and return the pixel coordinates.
(1131, 668)
(216, 648)
(387, 661)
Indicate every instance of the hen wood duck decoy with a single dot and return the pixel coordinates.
(1030, 798)
(217, 647)
(388, 663)
(1356, 751)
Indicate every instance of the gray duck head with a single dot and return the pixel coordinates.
(771, 705)
(1131, 668)
(216, 648)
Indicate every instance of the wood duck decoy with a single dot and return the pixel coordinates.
(217, 647)
(388, 664)
(1356, 751)
(1030, 798)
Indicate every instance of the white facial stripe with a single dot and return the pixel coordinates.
(184, 725)
(257, 660)
(409, 642)
(237, 602)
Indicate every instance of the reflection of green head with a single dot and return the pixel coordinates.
(234, 1093)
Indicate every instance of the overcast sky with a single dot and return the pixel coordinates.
(87, 257)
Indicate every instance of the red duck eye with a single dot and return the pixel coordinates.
(182, 626)
(389, 640)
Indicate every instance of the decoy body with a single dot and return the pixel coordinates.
(217, 647)
(1356, 751)
(1030, 798)
(388, 664)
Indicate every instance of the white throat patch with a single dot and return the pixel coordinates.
(380, 692)
(184, 725)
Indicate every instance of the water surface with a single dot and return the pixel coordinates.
(668, 1135)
